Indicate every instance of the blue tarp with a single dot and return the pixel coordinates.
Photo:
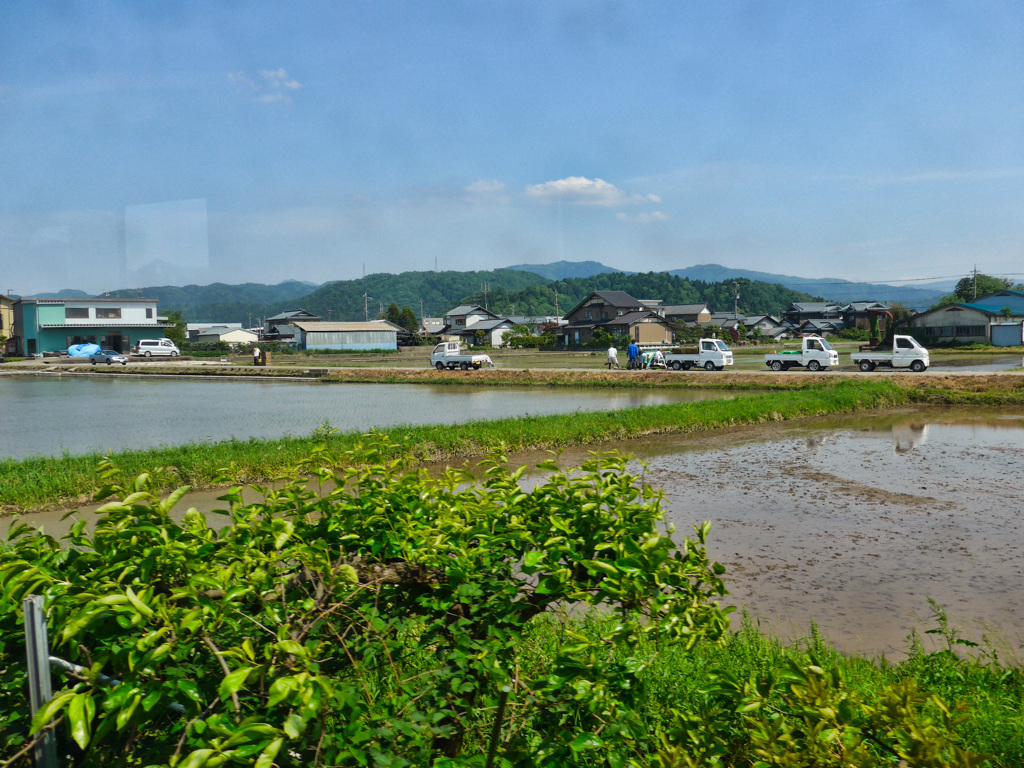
(83, 350)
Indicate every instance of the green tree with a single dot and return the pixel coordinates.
(974, 287)
(178, 333)
(393, 314)
(408, 320)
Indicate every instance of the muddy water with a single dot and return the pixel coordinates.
(851, 523)
(856, 525)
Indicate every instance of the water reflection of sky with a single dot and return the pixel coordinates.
(48, 416)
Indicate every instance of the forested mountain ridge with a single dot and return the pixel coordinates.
(439, 292)
(219, 302)
(755, 297)
(507, 292)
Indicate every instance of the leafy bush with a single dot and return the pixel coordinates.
(379, 619)
(386, 617)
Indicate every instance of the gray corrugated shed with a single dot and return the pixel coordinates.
(322, 327)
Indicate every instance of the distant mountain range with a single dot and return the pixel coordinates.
(917, 297)
(523, 289)
(563, 270)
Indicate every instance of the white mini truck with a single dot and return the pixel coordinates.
(905, 353)
(815, 355)
(448, 355)
(710, 354)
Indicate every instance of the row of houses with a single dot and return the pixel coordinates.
(41, 326)
(47, 325)
(652, 322)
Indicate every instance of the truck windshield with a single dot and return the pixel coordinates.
(825, 345)
(721, 346)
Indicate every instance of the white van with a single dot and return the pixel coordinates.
(151, 347)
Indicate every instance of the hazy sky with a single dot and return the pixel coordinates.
(152, 142)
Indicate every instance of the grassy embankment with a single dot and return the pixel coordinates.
(986, 688)
(39, 482)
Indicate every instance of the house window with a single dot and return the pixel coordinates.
(108, 313)
(76, 313)
(604, 315)
(588, 314)
(149, 313)
(460, 321)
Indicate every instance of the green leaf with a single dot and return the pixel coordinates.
(233, 682)
(266, 758)
(49, 710)
(280, 689)
(292, 647)
(533, 558)
(80, 712)
(549, 586)
(294, 726)
(196, 759)
(139, 606)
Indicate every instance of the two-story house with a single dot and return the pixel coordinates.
(53, 325)
(618, 313)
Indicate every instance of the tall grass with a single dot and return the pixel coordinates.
(677, 679)
(39, 482)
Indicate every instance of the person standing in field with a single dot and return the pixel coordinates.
(633, 351)
(613, 357)
(255, 355)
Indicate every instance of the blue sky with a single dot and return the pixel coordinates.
(144, 143)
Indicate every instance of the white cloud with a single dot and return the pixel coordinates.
(942, 177)
(579, 190)
(642, 218)
(269, 85)
(484, 187)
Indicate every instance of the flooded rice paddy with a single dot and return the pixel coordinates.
(851, 523)
(44, 416)
(855, 522)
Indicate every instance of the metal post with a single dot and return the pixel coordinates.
(44, 755)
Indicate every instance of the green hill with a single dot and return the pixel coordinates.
(509, 291)
(755, 297)
(439, 292)
(219, 302)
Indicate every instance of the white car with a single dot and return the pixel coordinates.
(151, 347)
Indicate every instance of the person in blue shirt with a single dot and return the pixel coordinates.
(633, 351)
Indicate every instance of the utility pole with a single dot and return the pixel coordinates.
(366, 307)
(735, 301)
(975, 282)
(557, 313)
(328, 314)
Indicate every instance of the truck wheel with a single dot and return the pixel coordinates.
(776, 365)
(917, 366)
(464, 366)
(676, 365)
(867, 366)
(477, 366)
(439, 366)
(709, 366)
(814, 366)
